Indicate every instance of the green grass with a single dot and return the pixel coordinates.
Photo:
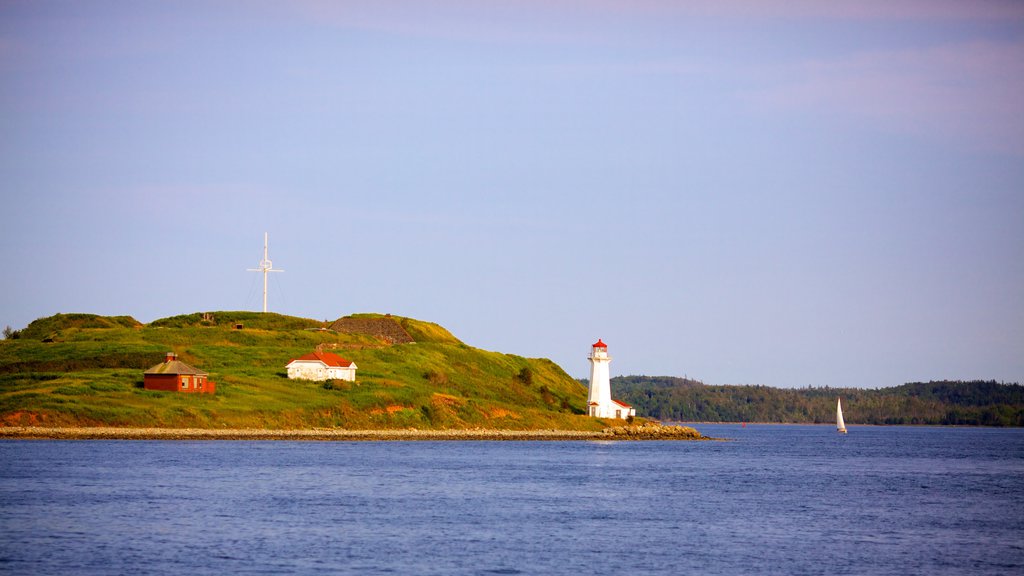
(52, 325)
(90, 373)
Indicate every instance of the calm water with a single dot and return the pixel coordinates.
(775, 500)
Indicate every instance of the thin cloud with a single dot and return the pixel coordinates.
(484, 22)
(968, 93)
(554, 19)
(862, 10)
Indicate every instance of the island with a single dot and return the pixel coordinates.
(84, 376)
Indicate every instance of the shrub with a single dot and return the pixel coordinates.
(525, 376)
(428, 413)
(435, 377)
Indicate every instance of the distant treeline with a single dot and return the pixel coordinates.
(976, 403)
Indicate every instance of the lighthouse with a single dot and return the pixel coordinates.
(599, 399)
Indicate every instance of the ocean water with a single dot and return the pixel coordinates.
(771, 500)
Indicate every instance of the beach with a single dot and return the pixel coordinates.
(337, 434)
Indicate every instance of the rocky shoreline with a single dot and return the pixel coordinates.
(647, 432)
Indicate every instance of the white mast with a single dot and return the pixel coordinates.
(265, 266)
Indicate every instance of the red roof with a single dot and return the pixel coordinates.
(328, 358)
(600, 344)
(620, 403)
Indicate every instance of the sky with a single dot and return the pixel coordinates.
(787, 193)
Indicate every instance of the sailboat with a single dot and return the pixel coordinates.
(840, 425)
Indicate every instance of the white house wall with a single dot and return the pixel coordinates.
(318, 371)
(609, 411)
(337, 373)
(624, 411)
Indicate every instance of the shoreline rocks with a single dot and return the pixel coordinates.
(647, 432)
(655, 432)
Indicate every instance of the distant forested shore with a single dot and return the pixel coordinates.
(973, 403)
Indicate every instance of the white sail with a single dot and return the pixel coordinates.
(840, 425)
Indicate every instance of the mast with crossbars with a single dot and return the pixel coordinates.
(265, 266)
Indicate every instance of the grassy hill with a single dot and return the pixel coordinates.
(87, 370)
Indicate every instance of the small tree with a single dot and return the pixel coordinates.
(10, 334)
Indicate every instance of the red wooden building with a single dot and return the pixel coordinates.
(173, 375)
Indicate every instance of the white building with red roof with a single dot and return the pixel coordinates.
(599, 398)
(320, 366)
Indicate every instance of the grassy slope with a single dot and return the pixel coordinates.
(91, 374)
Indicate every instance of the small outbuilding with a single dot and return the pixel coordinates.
(320, 366)
(173, 375)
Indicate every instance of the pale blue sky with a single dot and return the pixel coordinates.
(771, 192)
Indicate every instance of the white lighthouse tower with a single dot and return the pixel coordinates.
(599, 400)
